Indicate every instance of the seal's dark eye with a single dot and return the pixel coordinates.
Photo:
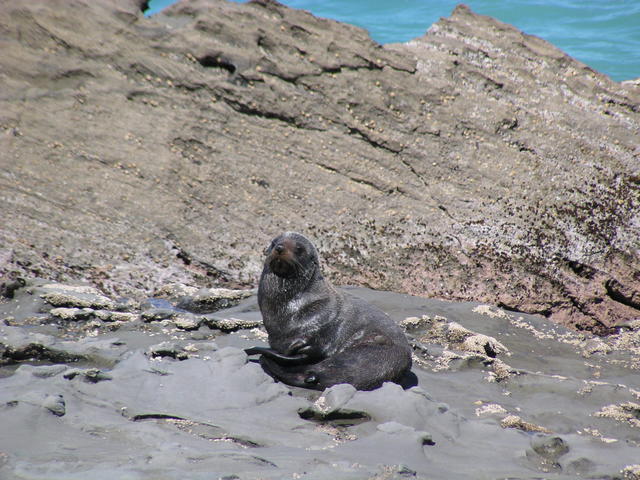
(300, 250)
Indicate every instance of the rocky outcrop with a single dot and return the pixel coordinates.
(475, 162)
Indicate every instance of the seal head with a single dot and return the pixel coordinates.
(290, 256)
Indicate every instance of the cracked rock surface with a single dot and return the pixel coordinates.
(147, 398)
(473, 163)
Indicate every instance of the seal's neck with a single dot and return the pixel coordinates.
(279, 289)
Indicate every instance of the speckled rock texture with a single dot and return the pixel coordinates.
(473, 163)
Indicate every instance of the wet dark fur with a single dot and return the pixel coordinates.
(320, 336)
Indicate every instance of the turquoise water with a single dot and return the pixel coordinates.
(604, 34)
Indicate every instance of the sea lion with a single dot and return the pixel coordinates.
(320, 336)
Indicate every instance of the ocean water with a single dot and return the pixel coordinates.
(604, 34)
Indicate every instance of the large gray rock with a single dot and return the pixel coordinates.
(476, 162)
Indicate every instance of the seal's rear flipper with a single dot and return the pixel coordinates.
(365, 366)
(409, 380)
(295, 375)
(255, 350)
(277, 356)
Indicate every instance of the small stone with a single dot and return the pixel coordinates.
(625, 412)
(168, 349)
(492, 312)
(501, 371)
(64, 299)
(484, 345)
(549, 447)
(413, 323)
(91, 375)
(184, 322)
(230, 324)
(595, 346)
(208, 300)
(175, 291)
(72, 313)
(631, 472)
(158, 314)
(93, 324)
(259, 334)
(126, 305)
(514, 421)
(331, 405)
(104, 315)
(457, 333)
(490, 409)
(123, 317)
(55, 404)
(338, 395)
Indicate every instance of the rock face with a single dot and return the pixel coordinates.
(476, 162)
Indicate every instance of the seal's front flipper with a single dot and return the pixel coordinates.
(296, 375)
(278, 357)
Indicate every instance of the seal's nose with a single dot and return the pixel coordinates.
(279, 248)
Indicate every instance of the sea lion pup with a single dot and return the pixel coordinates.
(320, 336)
